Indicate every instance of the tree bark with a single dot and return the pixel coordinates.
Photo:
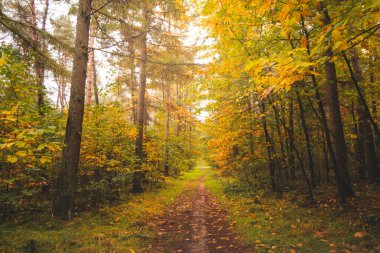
(67, 178)
(271, 163)
(95, 84)
(321, 108)
(167, 128)
(308, 145)
(335, 118)
(250, 121)
(364, 118)
(90, 67)
(39, 66)
(137, 175)
(291, 161)
(133, 81)
(277, 118)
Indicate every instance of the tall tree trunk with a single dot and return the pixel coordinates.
(342, 175)
(361, 97)
(90, 67)
(291, 161)
(325, 158)
(95, 84)
(39, 66)
(374, 97)
(137, 175)
(178, 103)
(322, 113)
(335, 118)
(250, 122)
(307, 139)
(67, 177)
(277, 118)
(167, 125)
(359, 147)
(133, 81)
(271, 162)
(56, 78)
(61, 81)
(190, 137)
(364, 118)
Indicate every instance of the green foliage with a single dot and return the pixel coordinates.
(107, 155)
(30, 145)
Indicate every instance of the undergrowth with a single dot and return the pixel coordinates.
(121, 228)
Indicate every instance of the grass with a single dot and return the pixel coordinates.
(269, 224)
(122, 228)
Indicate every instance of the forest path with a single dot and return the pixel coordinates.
(195, 222)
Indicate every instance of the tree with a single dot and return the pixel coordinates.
(67, 178)
(336, 124)
(137, 175)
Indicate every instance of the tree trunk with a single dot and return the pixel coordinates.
(364, 118)
(335, 118)
(307, 139)
(167, 122)
(342, 175)
(67, 177)
(178, 103)
(271, 163)
(277, 118)
(250, 134)
(291, 161)
(322, 112)
(90, 67)
(133, 81)
(137, 175)
(39, 66)
(95, 84)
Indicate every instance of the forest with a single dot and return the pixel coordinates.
(189, 126)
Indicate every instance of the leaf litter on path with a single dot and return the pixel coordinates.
(195, 222)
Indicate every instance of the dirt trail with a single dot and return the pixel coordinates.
(196, 223)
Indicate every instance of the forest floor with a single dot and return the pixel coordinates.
(204, 212)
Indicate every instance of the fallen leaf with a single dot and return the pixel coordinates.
(359, 234)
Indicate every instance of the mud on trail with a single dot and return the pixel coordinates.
(195, 223)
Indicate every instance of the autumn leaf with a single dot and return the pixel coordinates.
(359, 234)
(12, 159)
